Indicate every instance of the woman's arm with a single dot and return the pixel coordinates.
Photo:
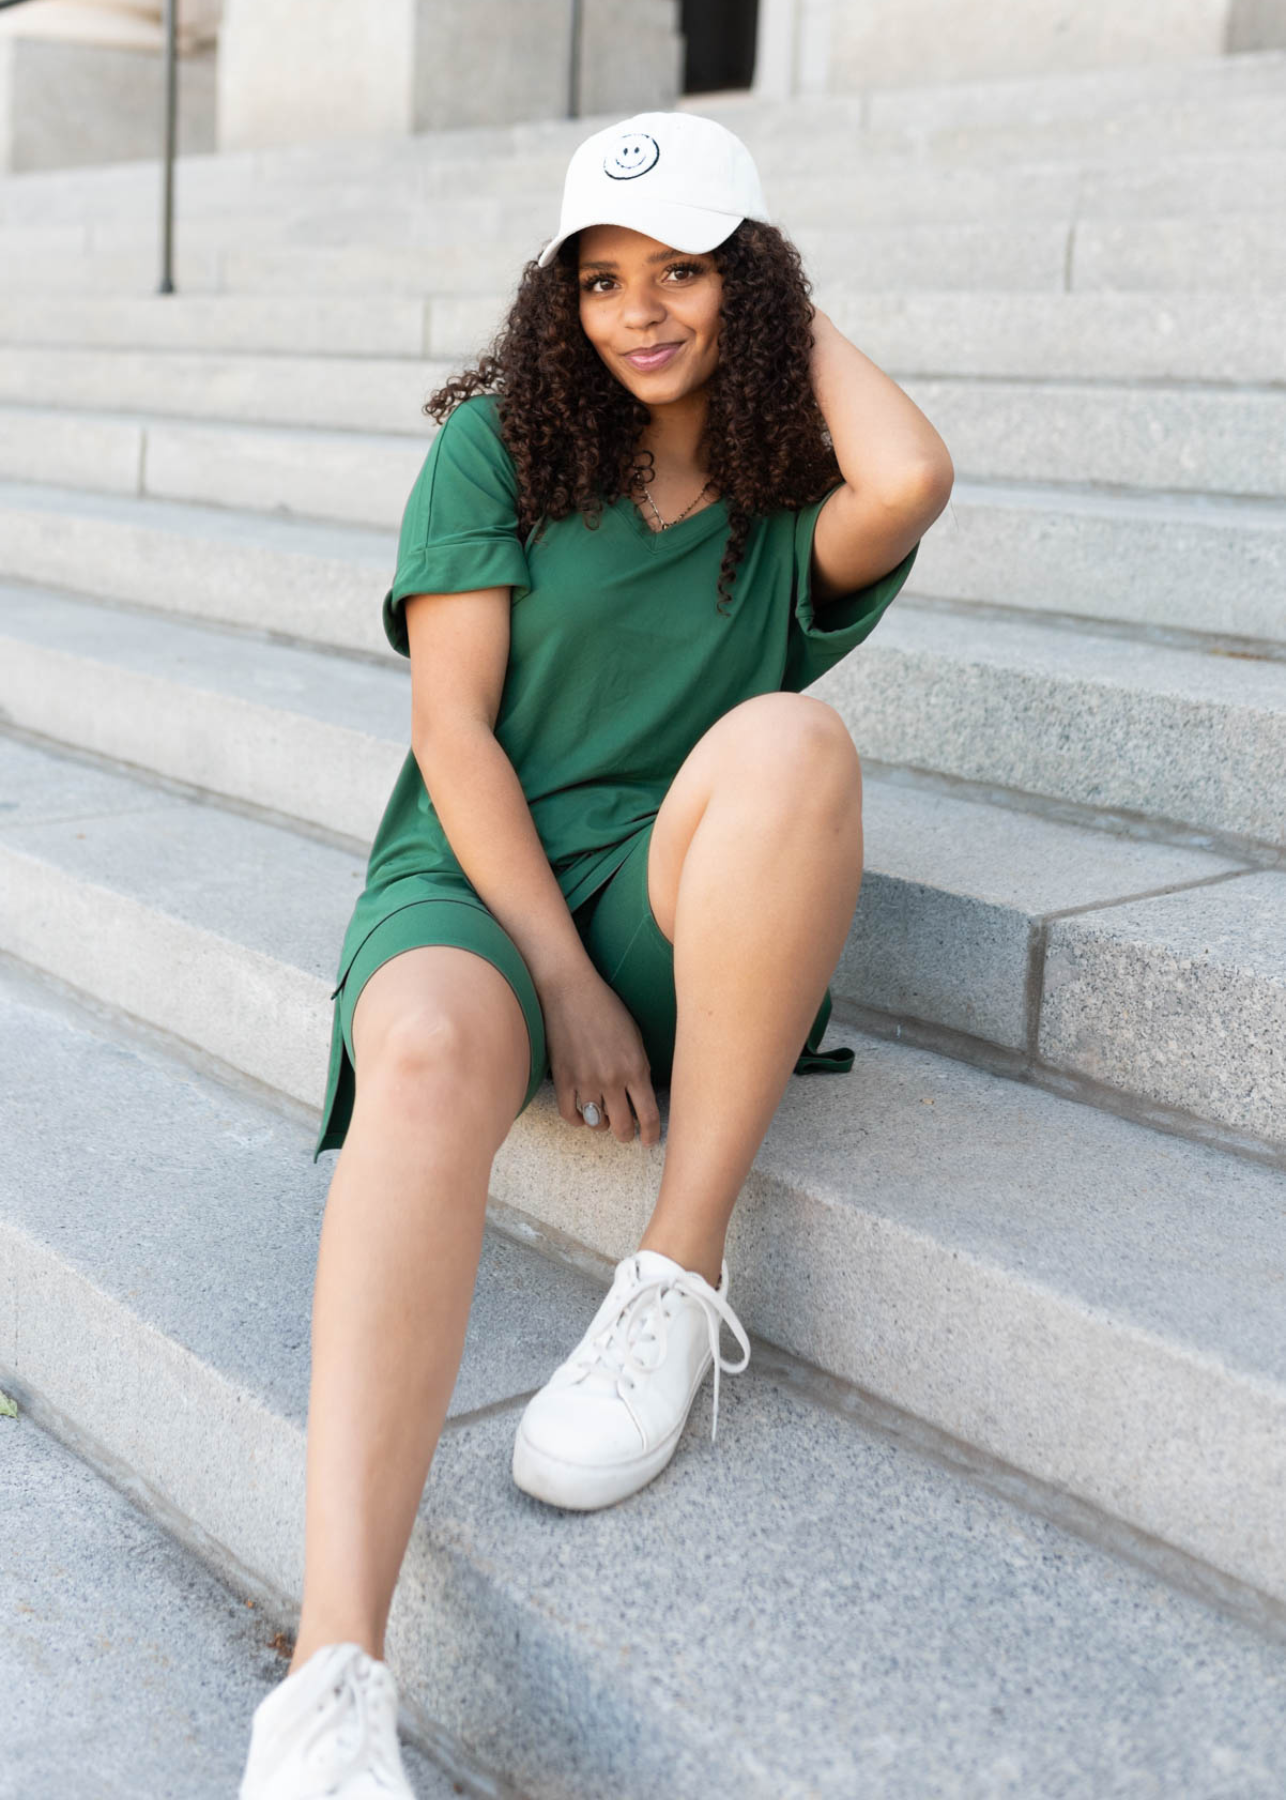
(459, 646)
(897, 470)
(473, 785)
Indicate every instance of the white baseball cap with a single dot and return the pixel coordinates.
(674, 176)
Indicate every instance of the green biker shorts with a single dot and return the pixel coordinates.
(624, 942)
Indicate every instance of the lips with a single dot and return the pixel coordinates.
(655, 357)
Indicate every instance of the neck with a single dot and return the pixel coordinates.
(673, 435)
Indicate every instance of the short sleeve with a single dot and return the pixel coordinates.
(817, 644)
(460, 526)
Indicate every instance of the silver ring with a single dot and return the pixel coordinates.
(589, 1112)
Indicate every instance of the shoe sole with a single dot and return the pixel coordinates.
(576, 1488)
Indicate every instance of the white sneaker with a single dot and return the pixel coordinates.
(328, 1732)
(609, 1418)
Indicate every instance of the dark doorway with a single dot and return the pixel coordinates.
(719, 44)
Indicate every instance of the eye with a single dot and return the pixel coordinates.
(590, 284)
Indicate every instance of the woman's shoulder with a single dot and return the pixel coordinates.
(471, 430)
(478, 417)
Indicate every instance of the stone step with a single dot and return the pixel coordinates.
(973, 1251)
(1213, 338)
(1172, 561)
(1204, 440)
(1190, 736)
(401, 207)
(297, 324)
(360, 478)
(1187, 439)
(1238, 252)
(493, 1625)
(320, 583)
(1116, 145)
(1249, 123)
(1119, 99)
(150, 1662)
(383, 394)
(1113, 93)
(971, 916)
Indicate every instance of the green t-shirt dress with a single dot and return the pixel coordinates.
(619, 661)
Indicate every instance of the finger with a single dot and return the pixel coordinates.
(565, 1089)
(649, 1114)
(619, 1116)
(587, 1098)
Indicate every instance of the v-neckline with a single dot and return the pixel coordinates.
(681, 526)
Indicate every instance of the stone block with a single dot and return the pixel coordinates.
(339, 392)
(1201, 564)
(431, 65)
(1181, 999)
(1241, 252)
(63, 104)
(343, 477)
(72, 450)
(1103, 721)
(317, 738)
(317, 582)
(907, 42)
(1187, 441)
(952, 895)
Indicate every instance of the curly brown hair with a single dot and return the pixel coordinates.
(573, 429)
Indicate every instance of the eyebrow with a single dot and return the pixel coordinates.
(661, 256)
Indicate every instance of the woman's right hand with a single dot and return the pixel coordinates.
(596, 1050)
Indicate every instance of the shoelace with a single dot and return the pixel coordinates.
(640, 1309)
(351, 1698)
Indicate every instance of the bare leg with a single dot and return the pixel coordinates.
(442, 1059)
(755, 880)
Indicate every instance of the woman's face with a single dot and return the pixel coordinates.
(637, 292)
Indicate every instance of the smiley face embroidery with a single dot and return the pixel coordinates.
(633, 153)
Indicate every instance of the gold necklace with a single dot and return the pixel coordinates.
(683, 515)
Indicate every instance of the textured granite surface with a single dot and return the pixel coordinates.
(804, 1607)
(1181, 998)
(128, 1668)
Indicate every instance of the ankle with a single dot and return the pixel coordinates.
(695, 1257)
(338, 1632)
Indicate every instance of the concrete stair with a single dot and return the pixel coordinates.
(570, 1668)
(710, 1637)
(1036, 1235)
(971, 915)
(115, 885)
(150, 1664)
(1113, 436)
(1204, 337)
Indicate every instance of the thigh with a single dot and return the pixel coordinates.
(447, 963)
(633, 955)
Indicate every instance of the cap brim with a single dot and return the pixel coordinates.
(691, 228)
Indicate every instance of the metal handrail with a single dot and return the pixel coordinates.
(573, 65)
(171, 116)
(166, 285)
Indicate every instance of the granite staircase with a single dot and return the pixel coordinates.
(997, 1508)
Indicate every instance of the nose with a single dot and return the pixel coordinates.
(642, 309)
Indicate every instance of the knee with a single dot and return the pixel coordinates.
(427, 1051)
(798, 747)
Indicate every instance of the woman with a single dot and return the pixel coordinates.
(630, 547)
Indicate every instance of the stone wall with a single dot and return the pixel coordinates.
(842, 46)
(294, 71)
